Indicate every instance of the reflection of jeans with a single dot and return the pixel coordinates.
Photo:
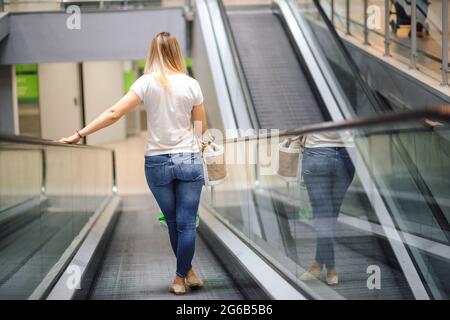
(327, 173)
(176, 182)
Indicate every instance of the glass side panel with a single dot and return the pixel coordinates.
(408, 164)
(350, 201)
(47, 195)
(14, 188)
(340, 70)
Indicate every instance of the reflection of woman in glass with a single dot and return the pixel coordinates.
(328, 171)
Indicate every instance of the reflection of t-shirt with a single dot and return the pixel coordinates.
(169, 125)
(330, 139)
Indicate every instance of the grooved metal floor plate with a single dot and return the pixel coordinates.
(139, 263)
(281, 93)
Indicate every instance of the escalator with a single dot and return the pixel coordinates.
(386, 223)
(376, 228)
(284, 95)
(281, 90)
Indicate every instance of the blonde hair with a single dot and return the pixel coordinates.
(164, 55)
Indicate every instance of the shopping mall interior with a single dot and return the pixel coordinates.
(78, 221)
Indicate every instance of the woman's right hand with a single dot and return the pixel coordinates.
(73, 139)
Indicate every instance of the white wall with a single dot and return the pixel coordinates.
(103, 86)
(59, 99)
(9, 113)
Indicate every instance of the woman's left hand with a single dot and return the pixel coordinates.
(73, 139)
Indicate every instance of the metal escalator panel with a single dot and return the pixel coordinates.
(281, 93)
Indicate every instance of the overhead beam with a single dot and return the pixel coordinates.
(4, 25)
(41, 37)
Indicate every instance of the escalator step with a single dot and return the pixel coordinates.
(280, 90)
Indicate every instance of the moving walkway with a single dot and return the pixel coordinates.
(67, 234)
(138, 261)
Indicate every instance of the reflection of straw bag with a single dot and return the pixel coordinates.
(289, 158)
(214, 167)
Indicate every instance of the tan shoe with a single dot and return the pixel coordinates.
(332, 280)
(310, 275)
(192, 281)
(178, 289)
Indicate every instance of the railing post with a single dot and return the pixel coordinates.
(387, 37)
(2, 6)
(188, 4)
(332, 12)
(445, 17)
(44, 171)
(189, 17)
(257, 172)
(347, 16)
(414, 34)
(213, 198)
(366, 28)
(114, 173)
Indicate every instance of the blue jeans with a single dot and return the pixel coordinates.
(176, 182)
(327, 172)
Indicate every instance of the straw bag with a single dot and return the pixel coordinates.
(289, 158)
(214, 167)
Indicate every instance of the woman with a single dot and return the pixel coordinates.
(173, 165)
(328, 170)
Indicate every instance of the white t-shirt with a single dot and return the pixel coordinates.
(330, 139)
(169, 125)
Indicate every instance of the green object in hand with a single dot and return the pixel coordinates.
(305, 211)
(162, 219)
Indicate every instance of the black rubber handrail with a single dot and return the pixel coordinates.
(436, 114)
(37, 141)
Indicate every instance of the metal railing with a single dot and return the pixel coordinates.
(386, 34)
(439, 114)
